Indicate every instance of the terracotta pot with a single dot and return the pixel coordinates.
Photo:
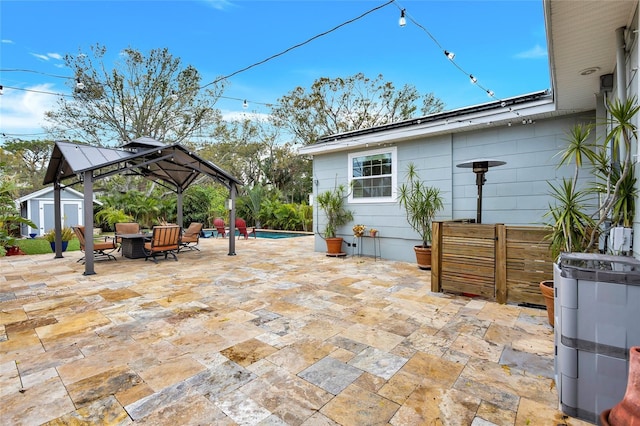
(334, 246)
(627, 411)
(547, 291)
(423, 257)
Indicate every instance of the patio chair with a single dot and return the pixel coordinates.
(191, 237)
(126, 228)
(241, 226)
(102, 248)
(165, 240)
(220, 227)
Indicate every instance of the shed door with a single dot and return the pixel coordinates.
(71, 214)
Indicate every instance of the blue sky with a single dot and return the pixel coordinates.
(502, 43)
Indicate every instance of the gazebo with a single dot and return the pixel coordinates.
(172, 166)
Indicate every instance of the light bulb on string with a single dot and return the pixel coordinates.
(1, 90)
(245, 104)
(79, 84)
(449, 55)
(490, 93)
(402, 21)
(473, 79)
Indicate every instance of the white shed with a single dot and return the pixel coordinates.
(38, 207)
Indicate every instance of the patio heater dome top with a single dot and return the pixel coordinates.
(480, 166)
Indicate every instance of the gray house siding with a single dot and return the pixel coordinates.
(516, 193)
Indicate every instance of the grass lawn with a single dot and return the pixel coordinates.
(42, 246)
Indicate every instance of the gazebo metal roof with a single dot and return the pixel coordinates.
(172, 166)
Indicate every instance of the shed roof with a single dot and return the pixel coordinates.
(49, 190)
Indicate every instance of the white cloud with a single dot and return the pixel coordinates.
(22, 112)
(7, 41)
(48, 56)
(39, 56)
(534, 53)
(228, 115)
(219, 4)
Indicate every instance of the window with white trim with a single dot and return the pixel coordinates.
(372, 175)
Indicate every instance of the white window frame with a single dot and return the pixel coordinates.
(394, 175)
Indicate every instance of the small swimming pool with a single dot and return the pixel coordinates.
(281, 234)
(209, 233)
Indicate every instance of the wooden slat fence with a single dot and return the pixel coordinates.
(498, 262)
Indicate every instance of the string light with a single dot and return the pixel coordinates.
(217, 80)
(450, 55)
(403, 20)
(79, 84)
(1, 90)
(245, 105)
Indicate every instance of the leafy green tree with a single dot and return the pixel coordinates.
(143, 95)
(343, 104)
(108, 216)
(27, 162)
(196, 205)
(10, 219)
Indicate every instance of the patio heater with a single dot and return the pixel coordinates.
(480, 167)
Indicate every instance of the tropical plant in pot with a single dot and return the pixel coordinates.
(66, 233)
(575, 218)
(421, 203)
(332, 203)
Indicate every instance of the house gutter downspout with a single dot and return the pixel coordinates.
(621, 77)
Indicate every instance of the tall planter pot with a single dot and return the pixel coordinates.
(627, 411)
(334, 246)
(423, 257)
(546, 287)
(64, 246)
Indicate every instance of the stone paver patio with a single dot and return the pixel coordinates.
(276, 335)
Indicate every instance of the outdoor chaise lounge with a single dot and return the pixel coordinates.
(191, 237)
(165, 240)
(102, 249)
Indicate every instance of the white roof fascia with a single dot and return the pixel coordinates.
(43, 191)
(462, 123)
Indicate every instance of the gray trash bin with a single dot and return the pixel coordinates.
(597, 321)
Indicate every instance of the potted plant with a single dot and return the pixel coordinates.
(421, 203)
(66, 234)
(358, 230)
(332, 203)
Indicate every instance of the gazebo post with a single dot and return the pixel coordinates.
(232, 219)
(88, 223)
(57, 218)
(179, 207)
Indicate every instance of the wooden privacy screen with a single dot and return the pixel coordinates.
(498, 262)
